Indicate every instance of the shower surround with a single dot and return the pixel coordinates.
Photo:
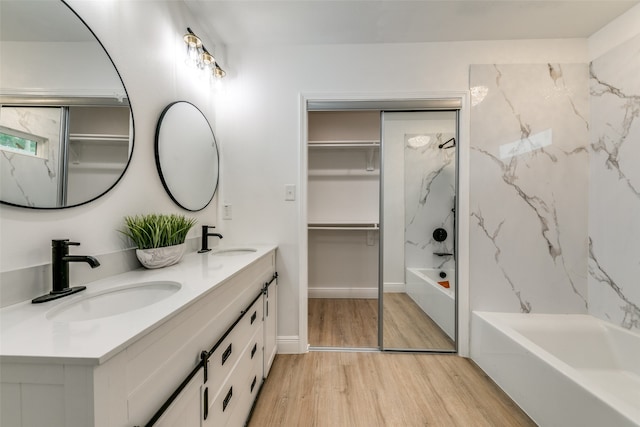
(614, 189)
(529, 178)
(429, 194)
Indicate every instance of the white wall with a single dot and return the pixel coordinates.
(53, 68)
(259, 118)
(144, 40)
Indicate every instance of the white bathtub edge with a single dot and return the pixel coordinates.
(551, 392)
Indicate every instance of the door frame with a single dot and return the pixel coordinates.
(463, 312)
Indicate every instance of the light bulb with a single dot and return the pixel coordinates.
(194, 48)
(219, 72)
(207, 60)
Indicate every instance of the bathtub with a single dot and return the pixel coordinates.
(563, 370)
(438, 302)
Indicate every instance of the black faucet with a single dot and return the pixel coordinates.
(60, 270)
(205, 238)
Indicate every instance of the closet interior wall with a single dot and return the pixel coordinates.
(343, 203)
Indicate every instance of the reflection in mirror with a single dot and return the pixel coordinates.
(419, 229)
(66, 129)
(187, 156)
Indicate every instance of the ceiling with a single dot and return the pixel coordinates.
(396, 21)
(345, 21)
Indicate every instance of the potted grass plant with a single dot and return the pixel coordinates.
(160, 238)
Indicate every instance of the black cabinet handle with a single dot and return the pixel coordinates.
(253, 317)
(227, 399)
(253, 383)
(206, 403)
(226, 354)
(253, 351)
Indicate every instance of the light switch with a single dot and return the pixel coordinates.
(226, 211)
(290, 192)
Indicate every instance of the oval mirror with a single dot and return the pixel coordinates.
(66, 128)
(187, 156)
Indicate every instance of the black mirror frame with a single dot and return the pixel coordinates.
(133, 129)
(159, 166)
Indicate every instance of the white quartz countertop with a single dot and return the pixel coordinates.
(27, 335)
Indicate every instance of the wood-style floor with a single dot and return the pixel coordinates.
(369, 389)
(337, 322)
(406, 326)
(353, 323)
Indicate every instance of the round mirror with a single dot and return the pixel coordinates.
(187, 156)
(66, 128)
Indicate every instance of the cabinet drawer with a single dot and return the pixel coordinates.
(227, 354)
(251, 388)
(232, 394)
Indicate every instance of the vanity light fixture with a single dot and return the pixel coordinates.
(199, 57)
(219, 72)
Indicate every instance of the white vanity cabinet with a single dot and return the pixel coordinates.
(185, 410)
(227, 323)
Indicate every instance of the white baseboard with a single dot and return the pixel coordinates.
(395, 287)
(289, 344)
(343, 292)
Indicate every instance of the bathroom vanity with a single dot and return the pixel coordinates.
(185, 345)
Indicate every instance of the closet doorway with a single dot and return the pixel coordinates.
(381, 214)
(343, 228)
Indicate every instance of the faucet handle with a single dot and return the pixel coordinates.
(61, 243)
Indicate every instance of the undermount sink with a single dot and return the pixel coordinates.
(113, 301)
(234, 251)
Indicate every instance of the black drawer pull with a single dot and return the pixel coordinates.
(226, 354)
(253, 317)
(253, 351)
(206, 403)
(253, 383)
(227, 399)
(267, 308)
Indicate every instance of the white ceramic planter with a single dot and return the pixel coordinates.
(161, 257)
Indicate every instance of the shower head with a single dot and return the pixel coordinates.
(446, 142)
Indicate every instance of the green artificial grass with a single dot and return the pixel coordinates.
(157, 230)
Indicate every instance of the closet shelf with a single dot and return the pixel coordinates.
(344, 144)
(346, 173)
(118, 167)
(99, 138)
(364, 226)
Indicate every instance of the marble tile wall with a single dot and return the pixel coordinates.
(614, 190)
(529, 175)
(429, 194)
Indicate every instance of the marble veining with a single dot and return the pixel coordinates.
(525, 306)
(529, 173)
(614, 192)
